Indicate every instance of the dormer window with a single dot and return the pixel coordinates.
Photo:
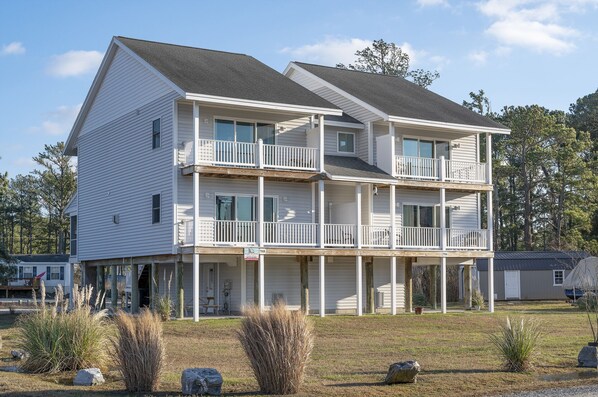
(346, 142)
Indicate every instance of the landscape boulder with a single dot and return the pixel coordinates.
(89, 377)
(402, 372)
(588, 357)
(18, 354)
(201, 381)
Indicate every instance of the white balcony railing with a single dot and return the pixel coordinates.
(246, 154)
(418, 237)
(375, 236)
(465, 171)
(290, 234)
(467, 238)
(417, 167)
(423, 168)
(290, 157)
(337, 235)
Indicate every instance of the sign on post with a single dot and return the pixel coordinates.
(251, 253)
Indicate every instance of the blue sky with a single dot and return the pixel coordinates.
(519, 51)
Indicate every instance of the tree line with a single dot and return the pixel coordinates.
(32, 207)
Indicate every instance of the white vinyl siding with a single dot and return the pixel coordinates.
(127, 86)
(118, 173)
(465, 217)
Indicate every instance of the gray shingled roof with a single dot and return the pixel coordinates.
(223, 74)
(353, 167)
(398, 97)
(42, 258)
(533, 260)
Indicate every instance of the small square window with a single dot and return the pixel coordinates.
(156, 208)
(558, 277)
(346, 142)
(156, 134)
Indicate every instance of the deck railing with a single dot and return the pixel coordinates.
(255, 155)
(339, 235)
(465, 171)
(418, 237)
(417, 167)
(290, 234)
(423, 168)
(290, 157)
(375, 236)
(458, 238)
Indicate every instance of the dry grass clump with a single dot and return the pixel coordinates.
(278, 344)
(58, 338)
(139, 350)
(163, 304)
(516, 343)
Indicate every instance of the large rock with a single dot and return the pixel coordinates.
(402, 372)
(18, 354)
(588, 357)
(201, 381)
(89, 377)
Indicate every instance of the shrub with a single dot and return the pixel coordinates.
(278, 344)
(477, 299)
(419, 300)
(58, 339)
(139, 350)
(516, 343)
(163, 304)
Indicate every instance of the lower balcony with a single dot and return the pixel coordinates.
(289, 234)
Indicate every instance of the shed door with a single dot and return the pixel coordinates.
(512, 284)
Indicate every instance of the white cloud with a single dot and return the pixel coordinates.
(330, 51)
(14, 48)
(533, 24)
(432, 3)
(59, 121)
(74, 63)
(478, 57)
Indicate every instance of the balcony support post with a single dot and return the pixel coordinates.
(393, 286)
(443, 284)
(408, 285)
(358, 236)
(358, 280)
(262, 303)
(180, 292)
(322, 264)
(321, 213)
(443, 225)
(195, 287)
(488, 157)
(433, 298)
(113, 287)
(243, 283)
(392, 132)
(393, 218)
(467, 287)
(259, 154)
(134, 287)
(260, 211)
(321, 138)
(491, 285)
(304, 284)
(370, 297)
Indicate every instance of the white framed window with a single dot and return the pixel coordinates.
(28, 272)
(156, 208)
(345, 142)
(557, 277)
(156, 130)
(54, 273)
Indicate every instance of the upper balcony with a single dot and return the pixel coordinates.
(257, 155)
(432, 169)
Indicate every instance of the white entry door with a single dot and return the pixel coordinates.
(512, 284)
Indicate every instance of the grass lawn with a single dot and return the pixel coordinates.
(351, 355)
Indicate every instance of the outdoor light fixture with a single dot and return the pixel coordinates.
(375, 190)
